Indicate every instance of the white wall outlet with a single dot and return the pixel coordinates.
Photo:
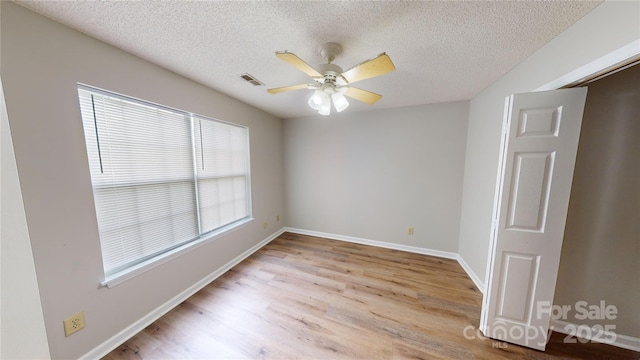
(264, 225)
(410, 230)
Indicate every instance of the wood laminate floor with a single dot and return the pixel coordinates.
(303, 297)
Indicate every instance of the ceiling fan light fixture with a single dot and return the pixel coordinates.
(325, 107)
(316, 100)
(339, 101)
(331, 83)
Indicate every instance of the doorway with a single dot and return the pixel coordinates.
(601, 249)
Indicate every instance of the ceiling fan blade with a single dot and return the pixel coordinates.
(370, 68)
(294, 60)
(287, 88)
(362, 95)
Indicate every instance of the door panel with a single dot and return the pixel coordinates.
(541, 132)
(530, 196)
(518, 277)
(539, 122)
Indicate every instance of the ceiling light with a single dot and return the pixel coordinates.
(322, 98)
(325, 107)
(339, 101)
(316, 100)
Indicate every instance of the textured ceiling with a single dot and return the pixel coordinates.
(443, 51)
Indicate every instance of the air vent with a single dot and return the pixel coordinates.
(250, 79)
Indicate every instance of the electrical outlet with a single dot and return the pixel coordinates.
(277, 217)
(74, 323)
(410, 231)
(264, 225)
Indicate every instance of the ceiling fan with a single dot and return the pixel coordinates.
(331, 83)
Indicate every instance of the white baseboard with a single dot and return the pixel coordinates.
(119, 338)
(621, 341)
(476, 280)
(382, 244)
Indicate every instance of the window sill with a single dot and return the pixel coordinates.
(124, 275)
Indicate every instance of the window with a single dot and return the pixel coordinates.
(162, 178)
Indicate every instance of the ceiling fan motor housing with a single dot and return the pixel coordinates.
(330, 75)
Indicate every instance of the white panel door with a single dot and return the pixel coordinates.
(538, 153)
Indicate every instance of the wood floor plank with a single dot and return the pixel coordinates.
(304, 297)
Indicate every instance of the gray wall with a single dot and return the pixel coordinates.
(373, 174)
(22, 332)
(41, 63)
(601, 249)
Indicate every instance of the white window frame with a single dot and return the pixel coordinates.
(117, 277)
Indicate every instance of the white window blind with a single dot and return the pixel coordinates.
(161, 177)
(221, 167)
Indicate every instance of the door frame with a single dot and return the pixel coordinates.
(602, 65)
